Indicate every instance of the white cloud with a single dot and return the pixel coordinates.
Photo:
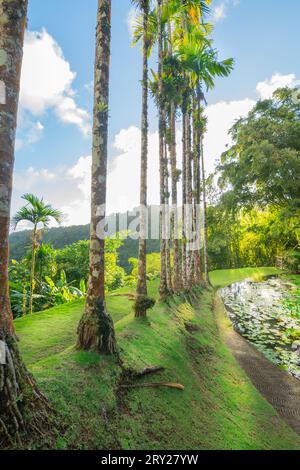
(32, 132)
(69, 113)
(219, 12)
(81, 172)
(58, 186)
(124, 171)
(221, 117)
(31, 177)
(266, 88)
(46, 81)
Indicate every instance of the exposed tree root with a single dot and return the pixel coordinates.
(155, 385)
(25, 412)
(149, 370)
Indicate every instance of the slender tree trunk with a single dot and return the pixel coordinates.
(163, 289)
(140, 310)
(205, 241)
(184, 201)
(23, 410)
(189, 194)
(167, 205)
(177, 272)
(32, 271)
(96, 329)
(167, 194)
(197, 190)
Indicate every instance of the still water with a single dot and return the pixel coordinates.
(264, 313)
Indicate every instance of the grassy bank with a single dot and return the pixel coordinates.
(219, 408)
(225, 277)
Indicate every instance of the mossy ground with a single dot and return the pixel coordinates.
(219, 408)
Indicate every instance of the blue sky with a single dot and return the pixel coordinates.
(53, 139)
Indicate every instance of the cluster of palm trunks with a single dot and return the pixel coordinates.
(187, 63)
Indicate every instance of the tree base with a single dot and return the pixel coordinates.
(164, 295)
(25, 414)
(96, 329)
(142, 304)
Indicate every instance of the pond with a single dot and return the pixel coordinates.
(264, 313)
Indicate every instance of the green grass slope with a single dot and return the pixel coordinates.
(219, 408)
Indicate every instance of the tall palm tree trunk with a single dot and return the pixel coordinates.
(32, 271)
(140, 310)
(167, 206)
(96, 330)
(19, 395)
(184, 201)
(189, 198)
(163, 289)
(177, 271)
(197, 190)
(205, 241)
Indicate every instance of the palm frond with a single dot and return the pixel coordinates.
(37, 212)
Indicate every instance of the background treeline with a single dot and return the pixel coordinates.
(61, 237)
(255, 211)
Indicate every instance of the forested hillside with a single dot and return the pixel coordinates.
(60, 237)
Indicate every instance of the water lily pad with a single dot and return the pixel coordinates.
(268, 315)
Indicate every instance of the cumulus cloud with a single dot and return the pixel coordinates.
(46, 81)
(124, 171)
(219, 12)
(81, 172)
(221, 117)
(58, 186)
(30, 133)
(266, 88)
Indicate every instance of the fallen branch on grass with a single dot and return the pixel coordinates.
(125, 294)
(149, 370)
(155, 385)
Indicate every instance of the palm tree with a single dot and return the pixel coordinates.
(189, 47)
(185, 164)
(163, 289)
(187, 14)
(38, 213)
(205, 227)
(172, 84)
(202, 62)
(22, 407)
(197, 133)
(96, 329)
(141, 291)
